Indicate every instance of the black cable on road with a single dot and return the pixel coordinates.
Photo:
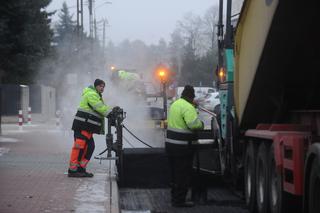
(136, 137)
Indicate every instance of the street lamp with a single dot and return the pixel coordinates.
(162, 74)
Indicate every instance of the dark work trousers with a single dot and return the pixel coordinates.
(199, 182)
(180, 160)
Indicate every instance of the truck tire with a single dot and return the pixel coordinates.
(314, 187)
(276, 195)
(249, 176)
(262, 179)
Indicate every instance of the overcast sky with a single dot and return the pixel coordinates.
(147, 20)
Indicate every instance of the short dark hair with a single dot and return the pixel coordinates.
(188, 92)
(98, 82)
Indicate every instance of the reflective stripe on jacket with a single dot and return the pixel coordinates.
(91, 112)
(182, 121)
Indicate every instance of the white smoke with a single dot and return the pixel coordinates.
(70, 74)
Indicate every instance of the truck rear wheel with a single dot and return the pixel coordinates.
(314, 187)
(262, 179)
(275, 193)
(249, 176)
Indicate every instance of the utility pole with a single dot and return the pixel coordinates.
(79, 18)
(104, 37)
(95, 29)
(90, 18)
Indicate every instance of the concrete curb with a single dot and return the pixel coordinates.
(112, 189)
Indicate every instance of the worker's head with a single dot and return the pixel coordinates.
(99, 85)
(188, 93)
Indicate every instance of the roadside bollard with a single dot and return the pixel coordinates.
(29, 115)
(20, 119)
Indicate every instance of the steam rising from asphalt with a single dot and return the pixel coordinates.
(70, 77)
(137, 117)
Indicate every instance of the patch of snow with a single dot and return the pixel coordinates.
(8, 140)
(3, 150)
(91, 195)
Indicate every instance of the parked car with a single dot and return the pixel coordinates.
(210, 101)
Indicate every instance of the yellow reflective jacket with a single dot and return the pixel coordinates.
(124, 75)
(182, 121)
(91, 112)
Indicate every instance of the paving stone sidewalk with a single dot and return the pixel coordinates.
(33, 165)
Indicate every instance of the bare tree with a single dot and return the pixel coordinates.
(176, 48)
(190, 28)
(210, 21)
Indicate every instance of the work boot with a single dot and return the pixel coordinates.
(183, 204)
(72, 173)
(84, 172)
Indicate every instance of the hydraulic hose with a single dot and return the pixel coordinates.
(207, 111)
(136, 137)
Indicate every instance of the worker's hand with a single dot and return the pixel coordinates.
(113, 111)
(116, 109)
(195, 103)
(110, 114)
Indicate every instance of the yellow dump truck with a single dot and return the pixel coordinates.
(270, 103)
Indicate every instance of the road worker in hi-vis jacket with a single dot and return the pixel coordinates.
(88, 120)
(183, 120)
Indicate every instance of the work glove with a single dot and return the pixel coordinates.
(113, 112)
(110, 114)
(115, 109)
